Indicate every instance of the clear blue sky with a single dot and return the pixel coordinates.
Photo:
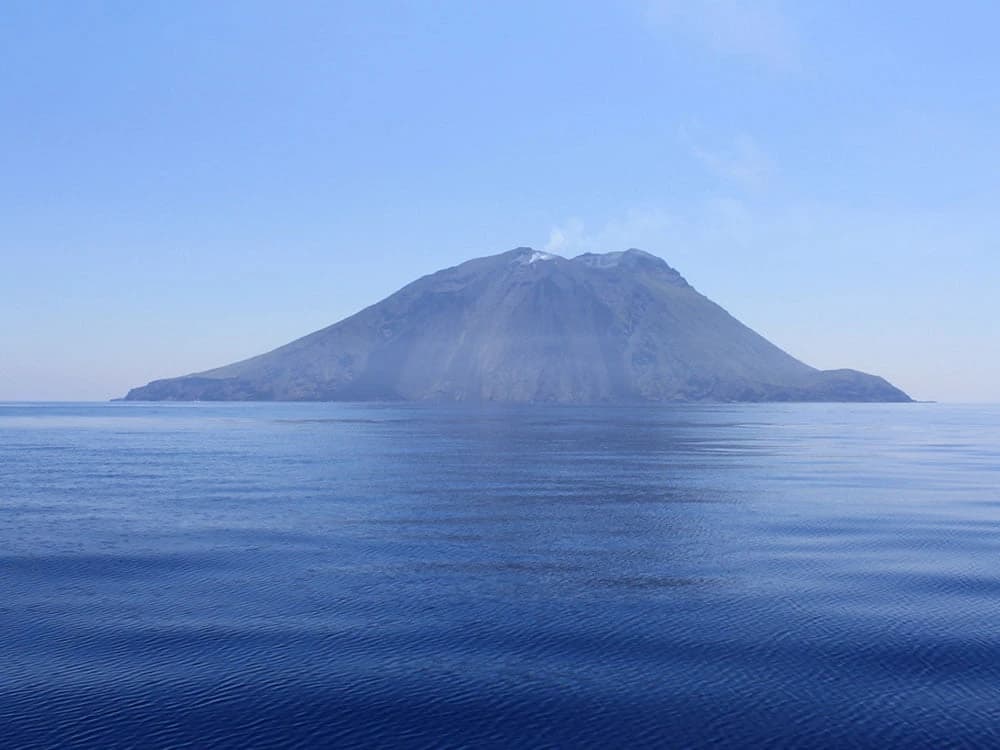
(184, 184)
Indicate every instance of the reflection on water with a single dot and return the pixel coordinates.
(303, 575)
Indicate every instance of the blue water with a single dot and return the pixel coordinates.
(319, 575)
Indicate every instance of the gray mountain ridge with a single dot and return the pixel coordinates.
(527, 326)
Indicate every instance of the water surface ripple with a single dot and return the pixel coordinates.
(320, 575)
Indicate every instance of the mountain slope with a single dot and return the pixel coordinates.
(525, 326)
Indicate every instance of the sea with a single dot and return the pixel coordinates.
(194, 575)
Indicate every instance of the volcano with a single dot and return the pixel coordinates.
(528, 326)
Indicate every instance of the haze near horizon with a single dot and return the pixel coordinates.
(186, 186)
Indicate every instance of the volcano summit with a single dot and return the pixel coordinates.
(527, 326)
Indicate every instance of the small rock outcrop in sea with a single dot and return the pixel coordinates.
(528, 326)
